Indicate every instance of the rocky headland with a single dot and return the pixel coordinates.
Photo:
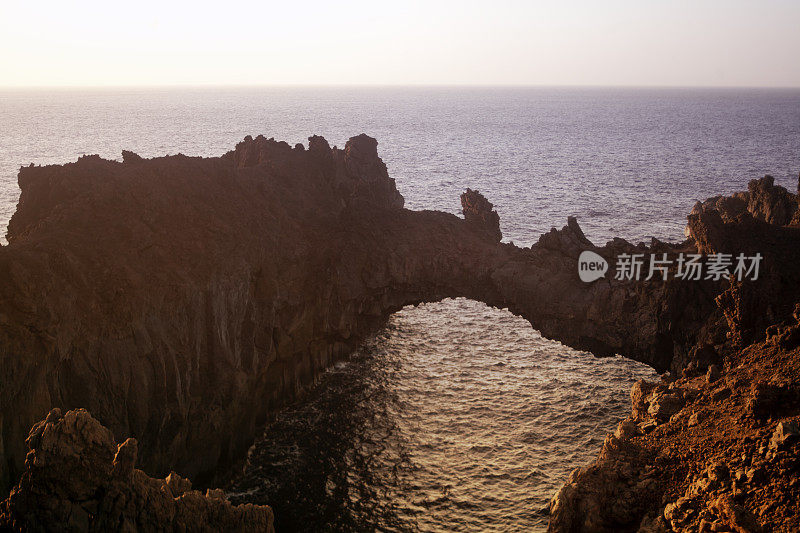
(180, 300)
(715, 445)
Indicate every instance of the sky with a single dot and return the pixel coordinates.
(406, 42)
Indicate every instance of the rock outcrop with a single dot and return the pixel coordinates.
(723, 457)
(78, 479)
(480, 213)
(181, 299)
(763, 200)
(714, 449)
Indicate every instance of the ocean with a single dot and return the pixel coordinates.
(456, 416)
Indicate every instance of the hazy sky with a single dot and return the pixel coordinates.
(601, 42)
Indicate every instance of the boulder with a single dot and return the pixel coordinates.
(786, 432)
(664, 404)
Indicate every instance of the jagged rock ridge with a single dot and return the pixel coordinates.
(78, 479)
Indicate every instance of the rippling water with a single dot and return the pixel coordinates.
(456, 416)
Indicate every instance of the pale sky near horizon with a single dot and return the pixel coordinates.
(613, 42)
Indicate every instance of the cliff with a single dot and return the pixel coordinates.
(181, 299)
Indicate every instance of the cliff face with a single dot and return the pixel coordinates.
(180, 299)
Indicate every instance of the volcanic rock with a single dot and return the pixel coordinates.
(77, 479)
(181, 299)
(480, 213)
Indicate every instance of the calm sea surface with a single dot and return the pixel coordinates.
(456, 417)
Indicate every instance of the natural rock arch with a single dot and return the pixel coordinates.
(180, 299)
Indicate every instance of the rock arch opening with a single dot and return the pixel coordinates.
(455, 412)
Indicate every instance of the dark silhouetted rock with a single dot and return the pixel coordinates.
(763, 201)
(74, 481)
(181, 299)
(131, 157)
(479, 212)
(769, 202)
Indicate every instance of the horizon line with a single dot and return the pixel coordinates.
(383, 85)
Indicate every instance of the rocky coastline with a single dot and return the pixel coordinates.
(179, 300)
(714, 446)
(78, 479)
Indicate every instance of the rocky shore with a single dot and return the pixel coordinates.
(179, 300)
(718, 451)
(714, 446)
(78, 479)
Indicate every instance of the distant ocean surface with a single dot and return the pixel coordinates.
(456, 417)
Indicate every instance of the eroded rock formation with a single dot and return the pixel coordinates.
(180, 299)
(480, 213)
(78, 479)
(713, 451)
(713, 448)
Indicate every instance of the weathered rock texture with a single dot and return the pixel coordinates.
(718, 451)
(480, 213)
(717, 448)
(78, 479)
(180, 299)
